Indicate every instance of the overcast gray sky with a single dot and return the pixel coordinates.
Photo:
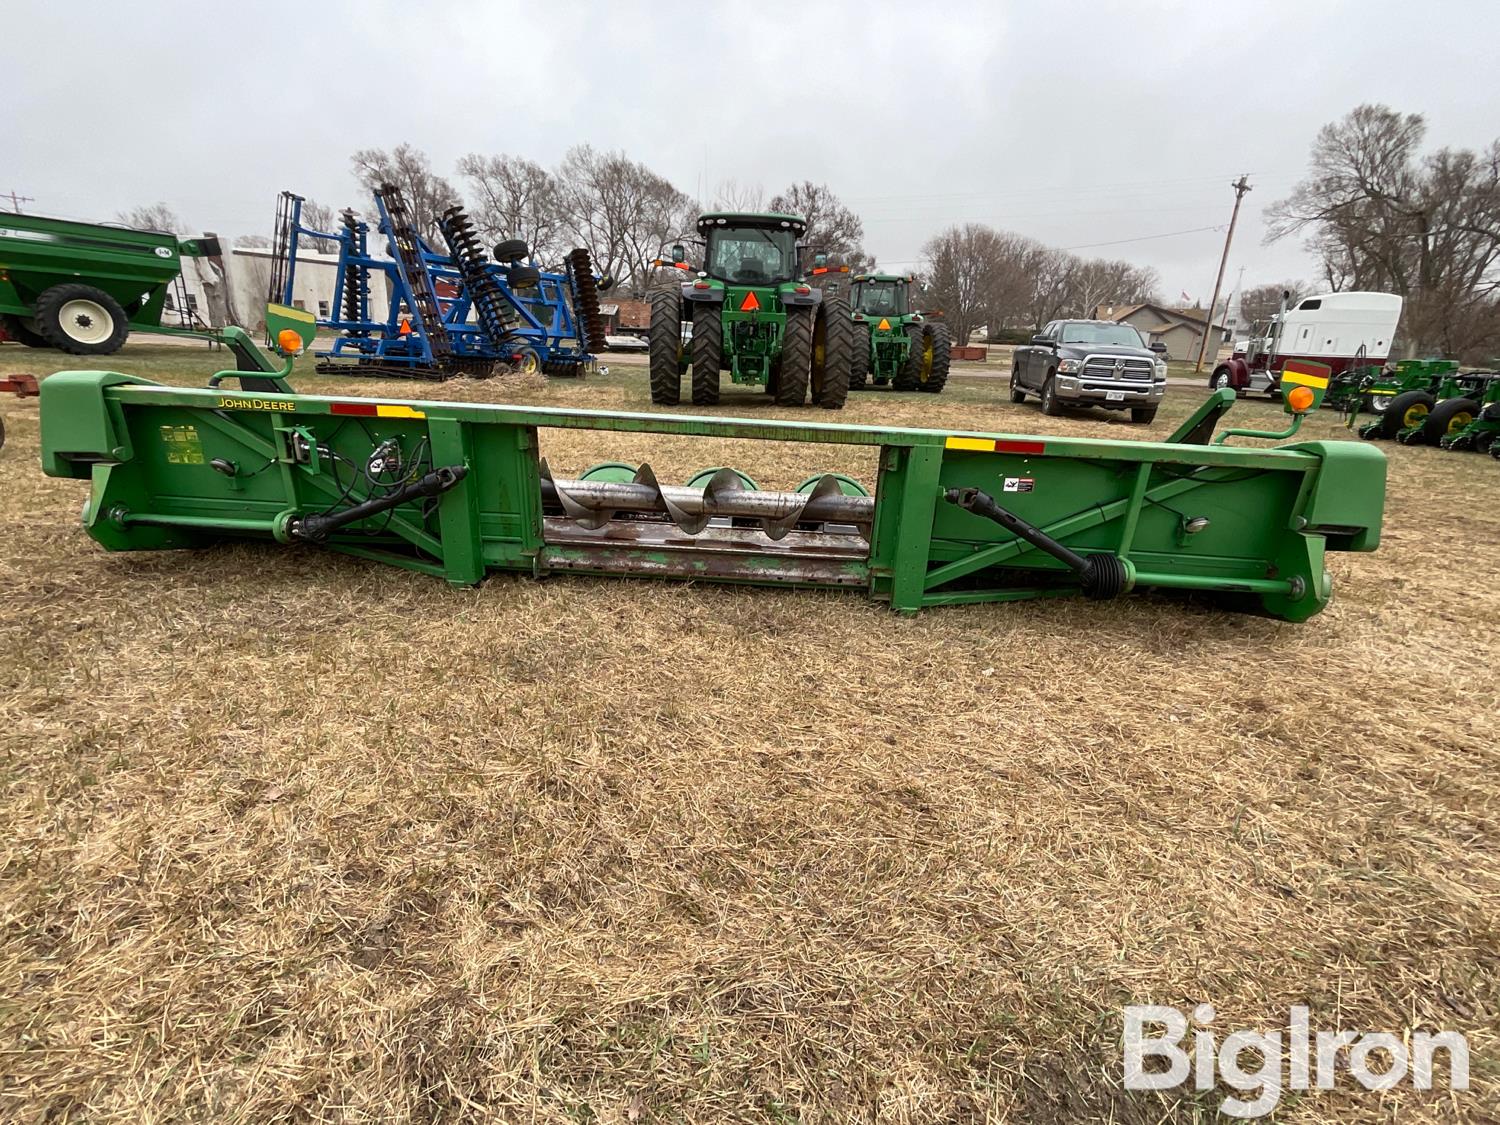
(1077, 124)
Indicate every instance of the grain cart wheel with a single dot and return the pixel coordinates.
(942, 357)
(81, 320)
(1407, 409)
(1448, 417)
(796, 356)
(1050, 404)
(859, 364)
(833, 354)
(18, 331)
(1016, 393)
(918, 350)
(665, 346)
(708, 352)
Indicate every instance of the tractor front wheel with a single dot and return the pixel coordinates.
(81, 320)
(796, 356)
(833, 354)
(859, 365)
(934, 378)
(708, 352)
(1403, 412)
(665, 347)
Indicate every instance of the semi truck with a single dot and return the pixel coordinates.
(1342, 330)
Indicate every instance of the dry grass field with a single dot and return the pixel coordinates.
(292, 837)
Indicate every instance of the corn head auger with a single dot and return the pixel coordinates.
(458, 490)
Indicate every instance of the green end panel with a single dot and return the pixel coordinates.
(284, 318)
(79, 425)
(1346, 502)
(1307, 374)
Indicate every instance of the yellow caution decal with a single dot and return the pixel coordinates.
(1305, 379)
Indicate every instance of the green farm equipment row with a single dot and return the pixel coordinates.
(1432, 402)
(458, 490)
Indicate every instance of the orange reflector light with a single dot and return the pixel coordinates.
(1299, 399)
(750, 303)
(289, 341)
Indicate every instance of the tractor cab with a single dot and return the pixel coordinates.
(751, 249)
(880, 295)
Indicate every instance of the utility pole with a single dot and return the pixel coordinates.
(1241, 186)
(17, 200)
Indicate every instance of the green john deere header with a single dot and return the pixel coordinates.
(458, 490)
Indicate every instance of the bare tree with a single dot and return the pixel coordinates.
(1259, 302)
(731, 195)
(426, 193)
(253, 241)
(515, 198)
(154, 216)
(317, 216)
(620, 210)
(1381, 216)
(831, 227)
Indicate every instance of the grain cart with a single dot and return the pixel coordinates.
(82, 287)
(751, 314)
(458, 490)
(893, 343)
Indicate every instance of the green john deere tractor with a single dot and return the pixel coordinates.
(893, 344)
(751, 314)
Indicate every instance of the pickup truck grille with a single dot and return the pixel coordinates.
(1118, 367)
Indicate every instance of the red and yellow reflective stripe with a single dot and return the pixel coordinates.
(374, 410)
(1305, 379)
(995, 445)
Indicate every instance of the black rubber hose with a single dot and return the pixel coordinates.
(315, 529)
(1102, 576)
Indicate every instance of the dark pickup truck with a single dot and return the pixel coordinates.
(1090, 363)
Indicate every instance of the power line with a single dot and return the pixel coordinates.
(1143, 238)
(16, 200)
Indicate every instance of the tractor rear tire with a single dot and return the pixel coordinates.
(906, 378)
(859, 364)
(18, 332)
(796, 356)
(942, 358)
(833, 354)
(708, 352)
(1448, 416)
(665, 346)
(81, 320)
(1404, 405)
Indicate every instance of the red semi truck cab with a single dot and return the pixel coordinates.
(1337, 329)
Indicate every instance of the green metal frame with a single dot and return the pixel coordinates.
(174, 467)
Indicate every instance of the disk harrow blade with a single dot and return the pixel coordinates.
(580, 271)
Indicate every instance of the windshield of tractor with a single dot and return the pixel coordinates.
(880, 298)
(751, 255)
(1120, 335)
